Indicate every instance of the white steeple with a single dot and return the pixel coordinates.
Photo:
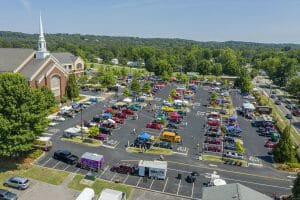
(42, 49)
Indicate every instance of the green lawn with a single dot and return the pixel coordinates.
(99, 185)
(46, 175)
(153, 150)
(88, 142)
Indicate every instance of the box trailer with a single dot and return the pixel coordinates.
(91, 161)
(153, 169)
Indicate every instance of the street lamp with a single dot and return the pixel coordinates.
(81, 125)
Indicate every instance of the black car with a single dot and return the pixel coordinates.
(289, 116)
(277, 102)
(190, 178)
(65, 156)
(105, 130)
(181, 113)
(172, 126)
(7, 195)
(164, 144)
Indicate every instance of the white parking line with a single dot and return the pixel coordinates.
(126, 179)
(165, 184)
(151, 184)
(46, 162)
(193, 190)
(113, 177)
(77, 170)
(66, 167)
(56, 165)
(178, 187)
(103, 171)
(139, 181)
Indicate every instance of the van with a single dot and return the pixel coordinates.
(42, 143)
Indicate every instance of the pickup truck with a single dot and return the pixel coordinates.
(65, 156)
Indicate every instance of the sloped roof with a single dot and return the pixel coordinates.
(32, 67)
(65, 57)
(12, 58)
(234, 191)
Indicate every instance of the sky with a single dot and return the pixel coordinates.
(268, 21)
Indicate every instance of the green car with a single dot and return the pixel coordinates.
(160, 116)
(135, 107)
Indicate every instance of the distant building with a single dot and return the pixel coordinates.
(40, 67)
(135, 64)
(99, 60)
(232, 191)
(114, 61)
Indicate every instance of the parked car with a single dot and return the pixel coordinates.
(118, 120)
(128, 111)
(230, 146)
(163, 144)
(109, 124)
(212, 148)
(190, 178)
(7, 195)
(59, 118)
(18, 182)
(154, 126)
(65, 156)
(121, 115)
(124, 168)
(101, 136)
(277, 102)
(235, 155)
(181, 113)
(172, 126)
(105, 130)
(237, 135)
(290, 106)
(270, 144)
(213, 141)
(296, 113)
(289, 116)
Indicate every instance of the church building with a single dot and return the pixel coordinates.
(42, 68)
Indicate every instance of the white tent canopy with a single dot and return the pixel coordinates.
(127, 100)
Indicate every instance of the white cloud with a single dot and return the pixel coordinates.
(26, 5)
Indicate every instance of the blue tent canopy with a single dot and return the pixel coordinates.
(144, 136)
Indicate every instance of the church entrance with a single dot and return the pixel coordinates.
(55, 85)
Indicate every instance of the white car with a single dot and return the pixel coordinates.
(51, 124)
(59, 118)
(233, 155)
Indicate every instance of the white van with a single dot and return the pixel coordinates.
(86, 194)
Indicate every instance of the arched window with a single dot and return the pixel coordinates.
(79, 66)
(55, 85)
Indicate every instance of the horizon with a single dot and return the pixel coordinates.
(266, 22)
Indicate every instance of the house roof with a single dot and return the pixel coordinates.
(65, 57)
(12, 58)
(234, 191)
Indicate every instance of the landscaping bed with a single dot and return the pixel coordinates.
(85, 141)
(221, 159)
(153, 150)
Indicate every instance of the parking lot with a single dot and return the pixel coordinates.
(192, 134)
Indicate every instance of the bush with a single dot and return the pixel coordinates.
(63, 99)
(34, 154)
(294, 165)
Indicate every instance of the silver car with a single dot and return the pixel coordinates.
(18, 182)
(7, 195)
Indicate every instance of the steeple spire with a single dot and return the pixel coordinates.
(41, 26)
(42, 48)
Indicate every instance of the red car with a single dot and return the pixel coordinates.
(111, 110)
(213, 123)
(118, 120)
(213, 141)
(213, 148)
(270, 144)
(154, 126)
(109, 125)
(101, 136)
(128, 112)
(121, 115)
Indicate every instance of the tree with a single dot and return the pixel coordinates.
(72, 89)
(214, 96)
(204, 67)
(239, 147)
(165, 76)
(23, 114)
(146, 87)
(126, 92)
(244, 81)
(93, 131)
(216, 69)
(173, 92)
(284, 152)
(108, 79)
(135, 86)
(293, 86)
(48, 97)
(296, 188)
(82, 79)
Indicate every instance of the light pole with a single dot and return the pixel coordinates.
(81, 125)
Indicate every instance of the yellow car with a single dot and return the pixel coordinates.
(168, 109)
